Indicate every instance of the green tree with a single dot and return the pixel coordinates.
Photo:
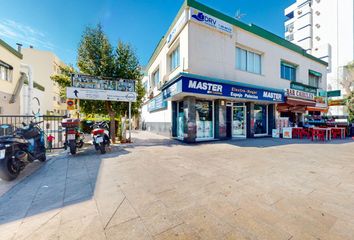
(348, 85)
(63, 79)
(97, 57)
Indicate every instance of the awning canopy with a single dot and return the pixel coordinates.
(299, 102)
(317, 109)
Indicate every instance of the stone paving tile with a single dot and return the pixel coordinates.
(133, 229)
(179, 232)
(162, 189)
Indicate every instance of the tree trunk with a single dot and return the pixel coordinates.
(112, 129)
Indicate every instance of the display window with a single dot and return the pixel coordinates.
(180, 120)
(204, 119)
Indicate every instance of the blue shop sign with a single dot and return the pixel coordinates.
(230, 90)
(157, 103)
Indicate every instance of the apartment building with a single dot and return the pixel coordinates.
(11, 79)
(214, 77)
(325, 29)
(46, 94)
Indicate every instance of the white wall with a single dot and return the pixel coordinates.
(162, 116)
(40, 95)
(213, 54)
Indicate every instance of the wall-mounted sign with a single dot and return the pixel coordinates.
(210, 21)
(94, 82)
(70, 104)
(299, 94)
(303, 87)
(172, 90)
(97, 94)
(157, 103)
(335, 93)
(177, 27)
(198, 86)
(337, 102)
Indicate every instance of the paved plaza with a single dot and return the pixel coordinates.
(159, 188)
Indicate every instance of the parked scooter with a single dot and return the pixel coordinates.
(24, 146)
(100, 136)
(74, 138)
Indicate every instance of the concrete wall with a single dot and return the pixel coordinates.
(158, 121)
(45, 64)
(213, 54)
(7, 87)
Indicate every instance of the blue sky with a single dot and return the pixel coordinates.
(57, 25)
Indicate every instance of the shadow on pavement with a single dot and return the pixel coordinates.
(62, 181)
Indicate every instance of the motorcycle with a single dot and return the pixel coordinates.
(100, 136)
(74, 138)
(22, 147)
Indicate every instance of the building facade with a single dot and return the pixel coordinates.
(46, 93)
(11, 79)
(214, 77)
(325, 29)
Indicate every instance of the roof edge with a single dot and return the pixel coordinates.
(11, 49)
(252, 28)
(163, 39)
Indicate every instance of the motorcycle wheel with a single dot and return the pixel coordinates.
(72, 149)
(103, 148)
(42, 158)
(8, 171)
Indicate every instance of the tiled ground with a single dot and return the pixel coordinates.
(160, 189)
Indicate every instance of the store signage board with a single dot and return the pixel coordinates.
(335, 93)
(97, 94)
(172, 90)
(101, 83)
(337, 102)
(157, 103)
(177, 27)
(302, 87)
(210, 21)
(205, 87)
(299, 94)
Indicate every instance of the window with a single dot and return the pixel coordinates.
(156, 77)
(174, 59)
(5, 71)
(314, 78)
(288, 71)
(289, 27)
(290, 37)
(248, 61)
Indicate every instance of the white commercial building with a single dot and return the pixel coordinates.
(214, 77)
(325, 29)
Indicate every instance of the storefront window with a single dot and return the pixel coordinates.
(204, 119)
(260, 119)
(180, 120)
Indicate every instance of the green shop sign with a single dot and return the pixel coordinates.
(335, 93)
(303, 87)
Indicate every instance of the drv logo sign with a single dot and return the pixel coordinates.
(211, 21)
(199, 16)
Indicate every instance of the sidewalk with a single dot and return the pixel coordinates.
(158, 188)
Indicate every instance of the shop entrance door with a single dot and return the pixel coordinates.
(239, 121)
